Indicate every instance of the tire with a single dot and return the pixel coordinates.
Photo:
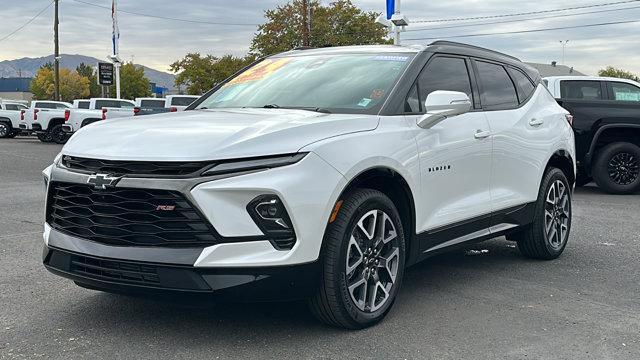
(45, 137)
(339, 299)
(13, 134)
(5, 130)
(617, 168)
(57, 134)
(553, 212)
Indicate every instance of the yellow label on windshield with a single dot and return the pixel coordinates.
(260, 71)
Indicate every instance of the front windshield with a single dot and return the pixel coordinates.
(337, 83)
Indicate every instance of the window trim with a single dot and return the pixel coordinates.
(470, 75)
(480, 86)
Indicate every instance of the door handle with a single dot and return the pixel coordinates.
(481, 134)
(535, 122)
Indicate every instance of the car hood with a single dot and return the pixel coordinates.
(211, 134)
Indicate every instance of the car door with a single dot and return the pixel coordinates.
(455, 159)
(521, 118)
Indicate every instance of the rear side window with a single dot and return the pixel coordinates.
(524, 86)
(14, 107)
(154, 104)
(45, 105)
(497, 91)
(182, 101)
(83, 104)
(580, 90)
(61, 106)
(112, 104)
(625, 92)
(444, 73)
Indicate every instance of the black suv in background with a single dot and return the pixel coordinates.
(606, 122)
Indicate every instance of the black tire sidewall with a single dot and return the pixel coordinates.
(600, 168)
(381, 202)
(553, 175)
(7, 129)
(57, 134)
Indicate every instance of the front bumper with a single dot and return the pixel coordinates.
(134, 277)
(308, 190)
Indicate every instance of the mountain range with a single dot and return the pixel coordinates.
(27, 67)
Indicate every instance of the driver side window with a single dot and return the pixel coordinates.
(441, 73)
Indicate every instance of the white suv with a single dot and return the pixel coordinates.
(318, 174)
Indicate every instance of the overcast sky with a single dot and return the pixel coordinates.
(86, 29)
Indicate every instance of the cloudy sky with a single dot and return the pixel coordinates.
(155, 42)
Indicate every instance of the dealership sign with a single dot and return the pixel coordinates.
(105, 73)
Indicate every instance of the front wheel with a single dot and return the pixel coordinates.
(546, 237)
(363, 262)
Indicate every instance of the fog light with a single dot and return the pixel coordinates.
(269, 213)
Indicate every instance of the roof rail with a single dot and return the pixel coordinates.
(453, 43)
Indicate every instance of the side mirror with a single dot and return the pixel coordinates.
(442, 104)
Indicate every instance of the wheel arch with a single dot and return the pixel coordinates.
(607, 134)
(395, 186)
(53, 122)
(562, 160)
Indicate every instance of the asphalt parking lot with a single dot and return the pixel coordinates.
(477, 305)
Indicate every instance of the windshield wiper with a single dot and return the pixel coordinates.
(308, 108)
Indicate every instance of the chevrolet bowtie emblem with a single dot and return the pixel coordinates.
(102, 181)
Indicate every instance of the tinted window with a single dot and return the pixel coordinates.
(83, 104)
(497, 88)
(112, 104)
(444, 73)
(412, 104)
(154, 104)
(580, 90)
(61, 106)
(625, 92)
(182, 101)
(524, 86)
(45, 105)
(14, 107)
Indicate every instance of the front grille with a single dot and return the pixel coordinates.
(154, 168)
(114, 270)
(127, 216)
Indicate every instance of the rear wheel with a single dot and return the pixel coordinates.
(617, 168)
(363, 262)
(5, 130)
(44, 136)
(57, 134)
(546, 237)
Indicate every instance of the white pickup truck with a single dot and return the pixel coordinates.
(179, 102)
(99, 109)
(45, 119)
(10, 118)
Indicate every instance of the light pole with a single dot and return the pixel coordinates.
(115, 58)
(394, 19)
(56, 56)
(564, 44)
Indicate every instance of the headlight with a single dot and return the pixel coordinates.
(253, 164)
(57, 159)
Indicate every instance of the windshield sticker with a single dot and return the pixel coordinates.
(391, 58)
(260, 71)
(364, 102)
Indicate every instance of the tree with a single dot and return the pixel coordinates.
(133, 83)
(610, 71)
(89, 72)
(72, 85)
(200, 73)
(340, 23)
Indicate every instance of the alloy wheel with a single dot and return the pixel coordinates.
(373, 257)
(624, 168)
(4, 130)
(557, 214)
